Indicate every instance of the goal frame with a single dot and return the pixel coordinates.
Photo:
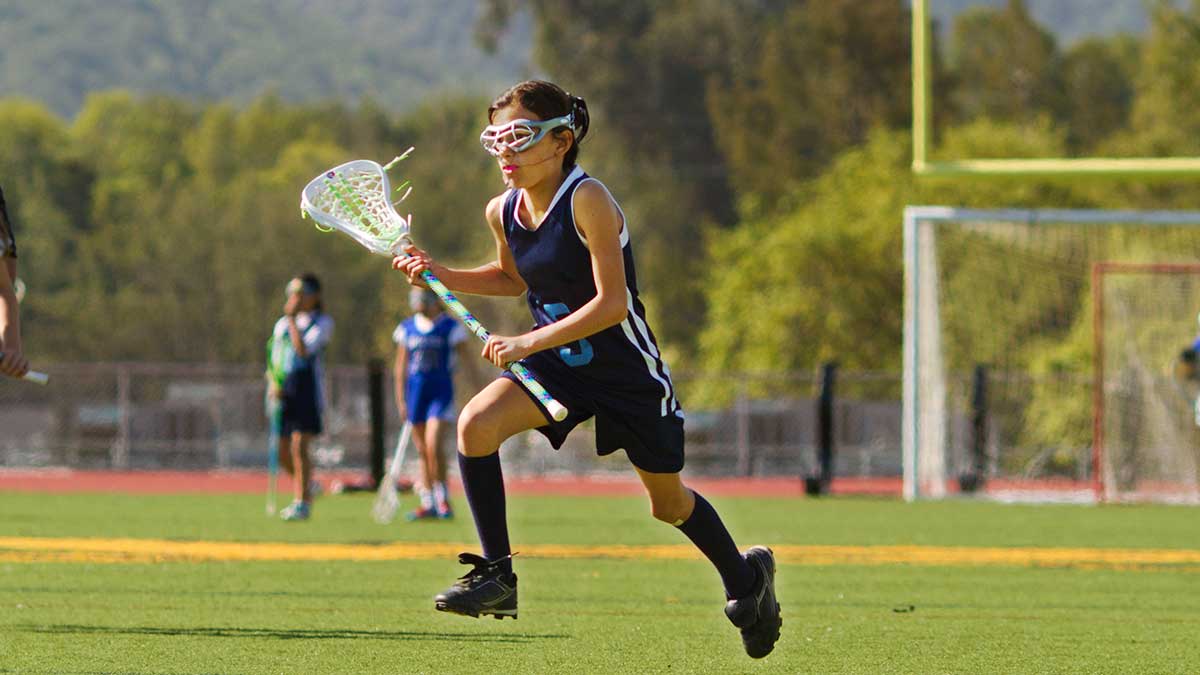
(924, 471)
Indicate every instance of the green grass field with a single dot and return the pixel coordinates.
(597, 615)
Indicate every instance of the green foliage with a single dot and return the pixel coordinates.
(1098, 70)
(155, 229)
(758, 147)
(810, 83)
(1007, 66)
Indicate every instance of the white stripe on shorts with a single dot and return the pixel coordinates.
(634, 322)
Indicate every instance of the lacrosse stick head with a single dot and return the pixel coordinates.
(387, 502)
(355, 199)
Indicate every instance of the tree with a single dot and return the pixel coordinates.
(1006, 66)
(811, 83)
(1099, 80)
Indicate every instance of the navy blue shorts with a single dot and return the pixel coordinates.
(429, 398)
(653, 442)
(299, 408)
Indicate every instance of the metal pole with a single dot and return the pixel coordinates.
(120, 453)
(819, 483)
(375, 371)
(972, 479)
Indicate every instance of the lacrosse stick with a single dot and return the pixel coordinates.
(273, 422)
(387, 499)
(353, 198)
(32, 375)
(274, 408)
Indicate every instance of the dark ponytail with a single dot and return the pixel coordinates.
(582, 120)
(312, 285)
(547, 100)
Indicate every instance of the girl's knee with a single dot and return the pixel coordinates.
(673, 508)
(476, 436)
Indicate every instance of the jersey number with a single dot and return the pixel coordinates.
(577, 353)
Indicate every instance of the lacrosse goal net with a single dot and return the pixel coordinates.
(1042, 354)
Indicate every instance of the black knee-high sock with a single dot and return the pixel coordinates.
(708, 533)
(484, 484)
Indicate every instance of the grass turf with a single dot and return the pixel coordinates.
(594, 615)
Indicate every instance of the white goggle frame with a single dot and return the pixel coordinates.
(520, 135)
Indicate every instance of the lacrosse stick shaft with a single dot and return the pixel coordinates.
(397, 464)
(273, 420)
(33, 375)
(556, 409)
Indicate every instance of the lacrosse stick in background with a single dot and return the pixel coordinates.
(387, 499)
(32, 375)
(354, 199)
(273, 421)
(274, 409)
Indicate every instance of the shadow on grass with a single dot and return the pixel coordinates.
(288, 634)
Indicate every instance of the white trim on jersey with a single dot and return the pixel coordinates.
(652, 358)
(624, 237)
(562, 189)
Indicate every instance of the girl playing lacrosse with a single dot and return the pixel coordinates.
(298, 341)
(426, 344)
(562, 239)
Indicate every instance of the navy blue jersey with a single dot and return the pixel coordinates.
(620, 368)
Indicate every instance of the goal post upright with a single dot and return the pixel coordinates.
(1098, 381)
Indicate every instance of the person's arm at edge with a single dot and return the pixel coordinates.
(13, 362)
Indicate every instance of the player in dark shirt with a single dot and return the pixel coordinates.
(562, 239)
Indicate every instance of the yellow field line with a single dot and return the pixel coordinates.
(48, 549)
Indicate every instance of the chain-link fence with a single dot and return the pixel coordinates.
(201, 417)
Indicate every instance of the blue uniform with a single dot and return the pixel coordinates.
(1196, 404)
(617, 374)
(429, 378)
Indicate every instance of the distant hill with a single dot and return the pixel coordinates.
(1068, 20)
(395, 51)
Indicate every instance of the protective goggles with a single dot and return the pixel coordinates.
(520, 135)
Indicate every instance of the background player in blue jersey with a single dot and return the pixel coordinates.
(1187, 370)
(297, 344)
(562, 239)
(426, 343)
(12, 359)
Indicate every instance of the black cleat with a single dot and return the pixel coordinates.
(486, 589)
(757, 614)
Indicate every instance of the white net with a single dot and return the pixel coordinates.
(355, 198)
(1146, 430)
(1004, 348)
